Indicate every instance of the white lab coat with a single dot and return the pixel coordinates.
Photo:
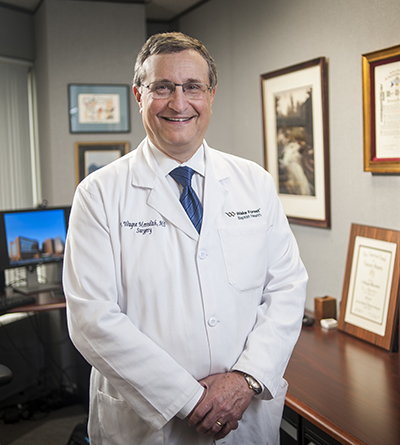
(154, 307)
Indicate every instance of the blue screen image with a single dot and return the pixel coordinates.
(35, 236)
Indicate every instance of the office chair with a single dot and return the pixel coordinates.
(6, 375)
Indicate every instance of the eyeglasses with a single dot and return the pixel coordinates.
(164, 90)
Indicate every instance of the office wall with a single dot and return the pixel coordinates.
(80, 42)
(16, 34)
(254, 37)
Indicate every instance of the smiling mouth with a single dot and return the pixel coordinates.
(174, 119)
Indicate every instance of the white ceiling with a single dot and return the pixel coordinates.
(163, 10)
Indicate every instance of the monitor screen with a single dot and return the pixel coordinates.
(32, 237)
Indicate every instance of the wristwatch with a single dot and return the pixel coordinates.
(252, 382)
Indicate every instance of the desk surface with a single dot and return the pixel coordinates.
(346, 387)
(45, 301)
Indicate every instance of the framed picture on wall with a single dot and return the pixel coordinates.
(98, 108)
(381, 105)
(369, 307)
(296, 140)
(90, 156)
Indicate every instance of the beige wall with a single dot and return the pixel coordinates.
(80, 42)
(254, 37)
(86, 42)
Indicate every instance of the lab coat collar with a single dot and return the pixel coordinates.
(162, 198)
(147, 174)
(167, 164)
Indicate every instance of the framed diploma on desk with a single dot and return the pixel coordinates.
(371, 285)
(381, 105)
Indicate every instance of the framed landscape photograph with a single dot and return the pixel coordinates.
(90, 156)
(369, 306)
(296, 140)
(98, 108)
(381, 105)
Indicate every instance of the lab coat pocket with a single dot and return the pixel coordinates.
(245, 256)
(121, 425)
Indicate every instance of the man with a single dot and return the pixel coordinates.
(188, 319)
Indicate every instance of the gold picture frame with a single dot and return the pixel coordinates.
(381, 98)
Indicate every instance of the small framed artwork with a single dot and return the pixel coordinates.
(369, 307)
(296, 140)
(381, 105)
(90, 156)
(98, 108)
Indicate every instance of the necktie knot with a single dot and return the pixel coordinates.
(183, 175)
(189, 199)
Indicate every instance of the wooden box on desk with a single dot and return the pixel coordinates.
(324, 307)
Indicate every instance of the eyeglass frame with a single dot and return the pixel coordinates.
(209, 88)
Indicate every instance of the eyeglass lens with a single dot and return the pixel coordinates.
(164, 90)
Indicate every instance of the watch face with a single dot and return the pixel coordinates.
(253, 384)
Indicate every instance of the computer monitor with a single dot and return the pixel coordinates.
(30, 238)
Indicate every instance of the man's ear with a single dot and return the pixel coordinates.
(213, 95)
(138, 96)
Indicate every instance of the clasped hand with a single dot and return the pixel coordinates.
(225, 399)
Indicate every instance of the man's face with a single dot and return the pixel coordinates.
(176, 125)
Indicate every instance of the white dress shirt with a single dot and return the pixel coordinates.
(196, 162)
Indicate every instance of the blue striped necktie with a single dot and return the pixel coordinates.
(189, 199)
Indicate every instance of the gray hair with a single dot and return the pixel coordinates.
(172, 42)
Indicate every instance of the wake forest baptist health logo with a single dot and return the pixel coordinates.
(244, 214)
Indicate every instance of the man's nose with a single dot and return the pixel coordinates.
(178, 100)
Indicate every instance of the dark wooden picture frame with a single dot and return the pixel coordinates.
(381, 93)
(296, 140)
(369, 306)
(90, 156)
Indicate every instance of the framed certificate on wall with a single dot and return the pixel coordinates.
(381, 105)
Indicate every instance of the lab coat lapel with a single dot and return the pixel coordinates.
(145, 174)
(162, 199)
(215, 188)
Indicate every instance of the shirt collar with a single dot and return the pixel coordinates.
(167, 164)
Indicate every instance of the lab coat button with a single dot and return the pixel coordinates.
(212, 322)
(202, 254)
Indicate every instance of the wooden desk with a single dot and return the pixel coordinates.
(45, 301)
(346, 387)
